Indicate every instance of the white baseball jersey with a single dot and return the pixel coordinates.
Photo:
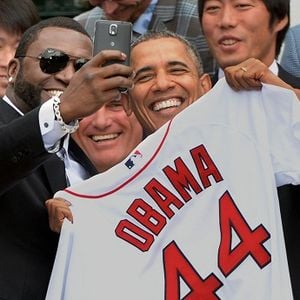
(193, 212)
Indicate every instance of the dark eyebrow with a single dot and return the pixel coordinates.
(142, 70)
(176, 63)
(170, 64)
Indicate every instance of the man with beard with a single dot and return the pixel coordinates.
(44, 100)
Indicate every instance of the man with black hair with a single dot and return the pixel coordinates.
(236, 32)
(15, 17)
(53, 82)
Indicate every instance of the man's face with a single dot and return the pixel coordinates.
(166, 81)
(108, 135)
(8, 44)
(34, 86)
(121, 10)
(240, 29)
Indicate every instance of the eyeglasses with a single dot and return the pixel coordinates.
(53, 61)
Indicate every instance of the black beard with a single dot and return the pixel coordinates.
(26, 92)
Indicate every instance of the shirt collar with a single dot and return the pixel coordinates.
(8, 101)
(274, 67)
(141, 25)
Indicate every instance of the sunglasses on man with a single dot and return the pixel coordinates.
(53, 61)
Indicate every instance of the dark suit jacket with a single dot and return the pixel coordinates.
(289, 200)
(29, 176)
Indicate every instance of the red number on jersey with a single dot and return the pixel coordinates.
(177, 266)
(251, 241)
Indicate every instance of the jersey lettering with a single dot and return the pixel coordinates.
(163, 197)
(134, 235)
(251, 241)
(182, 179)
(147, 216)
(205, 166)
(177, 266)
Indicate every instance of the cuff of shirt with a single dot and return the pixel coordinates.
(50, 129)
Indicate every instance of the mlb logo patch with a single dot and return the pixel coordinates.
(131, 162)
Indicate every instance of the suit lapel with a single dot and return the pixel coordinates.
(163, 13)
(79, 156)
(288, 78)
(55, 172)
(55, 168)
(7, 112)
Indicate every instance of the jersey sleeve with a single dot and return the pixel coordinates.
(282, 109)
(61, 264)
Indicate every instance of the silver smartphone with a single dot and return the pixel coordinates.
(113, 35)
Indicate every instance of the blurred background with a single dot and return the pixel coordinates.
(295, 9)
(69, 8)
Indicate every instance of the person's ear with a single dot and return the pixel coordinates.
(204, 83)
(13, 69)
(280, 24)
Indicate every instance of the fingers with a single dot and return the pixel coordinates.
(246, 75)
(97, 68)
(108, 78)
(94, 85)
(233, 78)
(58, 210)
(106, 56)
(101, 60)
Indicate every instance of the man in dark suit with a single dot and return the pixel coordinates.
(256, 29)
(44, 99)
(291, 52)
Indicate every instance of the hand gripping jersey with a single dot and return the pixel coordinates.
(192, 213)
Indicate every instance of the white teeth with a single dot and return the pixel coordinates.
(56, 93)
(166, 104)
(228, 42)
(98, 138)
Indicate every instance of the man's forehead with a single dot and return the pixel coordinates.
(64, 39)
(162, 42)
(154, 46)
(55, 32)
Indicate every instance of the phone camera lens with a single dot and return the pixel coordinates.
(113, 29)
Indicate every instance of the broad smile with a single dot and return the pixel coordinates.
(105, 137)
(54, 92)
(166, 104)
(229, 42)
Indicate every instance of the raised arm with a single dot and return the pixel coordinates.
(251, 73)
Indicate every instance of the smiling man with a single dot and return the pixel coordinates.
(53, 82)
(168, 77)
(108, 135)
(240, 30)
